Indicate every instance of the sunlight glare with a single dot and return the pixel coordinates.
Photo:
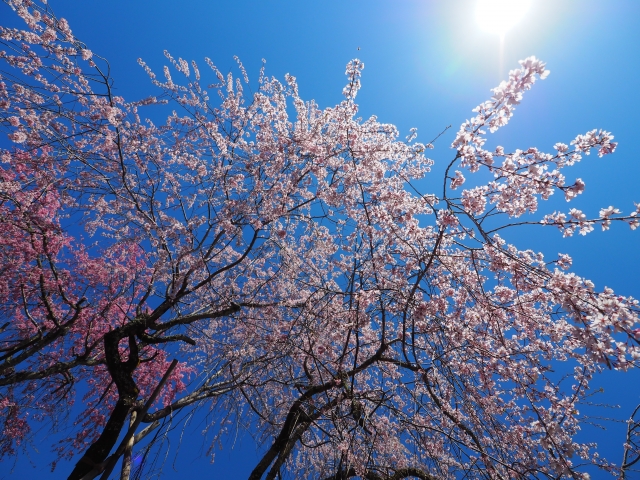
(498, 16)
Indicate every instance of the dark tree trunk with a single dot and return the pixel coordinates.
(122, 375)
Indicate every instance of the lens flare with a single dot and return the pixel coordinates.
(498, 16)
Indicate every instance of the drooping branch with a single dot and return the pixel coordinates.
(299, 419)
(399, 474)
(631, 445)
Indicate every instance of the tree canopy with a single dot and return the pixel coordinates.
(284, 255)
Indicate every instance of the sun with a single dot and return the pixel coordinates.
(498, 16)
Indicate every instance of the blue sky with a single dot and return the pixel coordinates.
(427, 64)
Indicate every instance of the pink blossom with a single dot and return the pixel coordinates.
(457, 181)
(18, 137)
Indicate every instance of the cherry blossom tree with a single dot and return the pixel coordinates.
(289, 259)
